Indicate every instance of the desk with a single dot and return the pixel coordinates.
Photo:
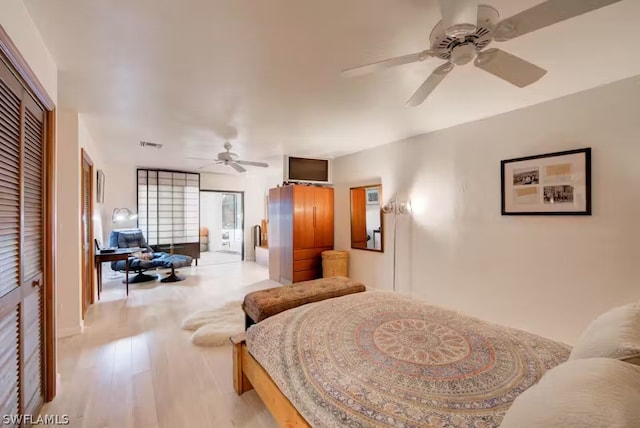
(120, 254)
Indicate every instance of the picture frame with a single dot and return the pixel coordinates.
(550, 184)
(100, 187)
(373, 196)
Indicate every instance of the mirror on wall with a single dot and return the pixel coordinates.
(366, 218)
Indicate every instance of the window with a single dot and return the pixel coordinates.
(169, 206)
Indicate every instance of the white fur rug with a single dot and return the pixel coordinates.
(213, 327)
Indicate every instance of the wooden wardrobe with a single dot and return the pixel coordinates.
(300, 229)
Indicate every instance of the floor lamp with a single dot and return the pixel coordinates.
(397, 209)
(118, 217)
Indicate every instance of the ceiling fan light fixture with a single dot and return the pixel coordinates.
(463, 54)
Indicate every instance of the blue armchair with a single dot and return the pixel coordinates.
(134, 238)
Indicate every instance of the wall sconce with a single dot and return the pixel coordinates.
(395, 207)
(121, 215)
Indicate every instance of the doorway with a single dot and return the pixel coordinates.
(221, 227)
(87, 232)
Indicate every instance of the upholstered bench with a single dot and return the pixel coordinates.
(263, 304)
(173, 262)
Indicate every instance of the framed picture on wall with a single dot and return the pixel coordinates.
(373, 196)
(550, 184)
(100, 187)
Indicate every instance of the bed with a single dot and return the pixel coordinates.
(380, 359)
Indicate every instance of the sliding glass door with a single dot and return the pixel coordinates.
(222, 227)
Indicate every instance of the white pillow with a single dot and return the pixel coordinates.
(588, 393)
(614, 334)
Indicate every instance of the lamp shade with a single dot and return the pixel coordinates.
(121, 215)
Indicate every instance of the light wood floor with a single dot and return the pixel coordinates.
(134, 367)
(208, 258)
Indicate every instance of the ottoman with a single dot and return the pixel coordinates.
(262, 304)
(175, 261)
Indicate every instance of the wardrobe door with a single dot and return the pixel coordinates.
(323, 217)
(10, 293)
(303, 217)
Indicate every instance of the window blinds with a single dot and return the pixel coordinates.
(169, 206)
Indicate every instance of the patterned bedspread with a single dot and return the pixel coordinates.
(379, 359)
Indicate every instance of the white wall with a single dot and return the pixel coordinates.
(456, 250)
(17, 22)
(211, 217)
(119, 192)
(94, 151)
(73, 136)
(68, 265)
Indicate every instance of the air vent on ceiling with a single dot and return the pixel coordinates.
(152, 145)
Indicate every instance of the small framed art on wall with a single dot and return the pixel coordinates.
(100, 187)
(550, 184)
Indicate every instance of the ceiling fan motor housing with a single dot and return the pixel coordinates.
(459, 17)
(462, 50)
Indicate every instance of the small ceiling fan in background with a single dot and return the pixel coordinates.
(467, 28)
(229, 158)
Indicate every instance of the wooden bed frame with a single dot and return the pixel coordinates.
(248, 374)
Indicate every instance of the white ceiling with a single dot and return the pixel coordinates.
(266, 74)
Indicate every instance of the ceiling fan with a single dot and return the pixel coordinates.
(467, 28)
(231, 159)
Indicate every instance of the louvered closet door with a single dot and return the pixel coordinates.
(87, 234)
(10, 296)
(21, 248)
(33, 210)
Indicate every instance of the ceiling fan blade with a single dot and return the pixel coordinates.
(237, 167)
(205, 166)
(387, 63)
(459, 17)
(544, 14)
(249, 163)
(430, 84)
(202, 159)
(509, 67)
